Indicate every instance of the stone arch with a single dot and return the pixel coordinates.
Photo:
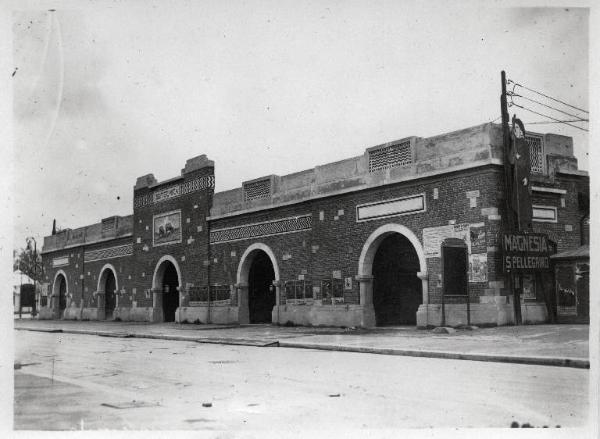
(367, 256)
(107, 301)
(54, 286)
(365, 262)
(159, 270)
(243, 280)
(56, 306)
(246, 261)
(166, 304)
(104, 274)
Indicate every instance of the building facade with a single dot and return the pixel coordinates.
(409, 233)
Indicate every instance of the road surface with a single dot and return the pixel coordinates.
(73, 382)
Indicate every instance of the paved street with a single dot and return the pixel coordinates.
(71, 381)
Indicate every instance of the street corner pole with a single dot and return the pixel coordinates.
(508, 184)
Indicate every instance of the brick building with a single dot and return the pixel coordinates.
(380, 239)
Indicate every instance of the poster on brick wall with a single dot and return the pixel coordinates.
(478, 267)
(434, 236)
(167, 228)
(477, 232)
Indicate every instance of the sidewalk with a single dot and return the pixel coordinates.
(552, 345)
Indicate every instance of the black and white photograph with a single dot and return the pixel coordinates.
(312, 218)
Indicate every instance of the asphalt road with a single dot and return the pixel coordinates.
(73, 382)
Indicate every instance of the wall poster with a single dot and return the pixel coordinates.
(434, 236)
(478, 267)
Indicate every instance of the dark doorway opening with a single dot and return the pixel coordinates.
(397, 291)
(110, 286)
(62, 296)
(456, 265)
(261, 295)
(170, 282)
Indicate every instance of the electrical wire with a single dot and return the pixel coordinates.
(512, 94)
(516, 84)
(545, 115)
(561, 121)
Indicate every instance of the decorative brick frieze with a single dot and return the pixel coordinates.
(174, 191)
(108, 253)
(267, 228)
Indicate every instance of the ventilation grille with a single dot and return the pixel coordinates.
(109, 224)
(536, 152)
(390, 157)
(257, 189)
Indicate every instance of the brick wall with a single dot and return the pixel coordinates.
(336, 239)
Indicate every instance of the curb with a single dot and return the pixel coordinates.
(539, 361)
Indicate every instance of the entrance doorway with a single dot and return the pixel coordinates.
(397, 291)
(110, 285)
(62, 295)
(170, 297)
(261, 294)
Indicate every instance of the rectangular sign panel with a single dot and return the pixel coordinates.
(398, 206)
(525, 252)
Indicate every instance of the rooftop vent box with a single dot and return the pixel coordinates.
(391, 155)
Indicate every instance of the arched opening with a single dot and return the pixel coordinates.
(397, 291)
(60, 290)
(169, 284)
(393, 276)
(166, 283)
(110, 285)
(261, 294)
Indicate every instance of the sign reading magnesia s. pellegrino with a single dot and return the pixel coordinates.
(525, 252)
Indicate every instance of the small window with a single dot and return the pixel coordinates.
(536, 153)
(544, 214)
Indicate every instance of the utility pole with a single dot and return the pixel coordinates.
(508, 179)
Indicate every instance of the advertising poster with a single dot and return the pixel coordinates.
(434, 236)
(167, 228)
(478, 267)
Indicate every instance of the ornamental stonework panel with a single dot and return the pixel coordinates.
(174, 191)
(268, 228)
(108, 253)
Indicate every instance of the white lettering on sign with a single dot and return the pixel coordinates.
(526, 262)
(524, 243)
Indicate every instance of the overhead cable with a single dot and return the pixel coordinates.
(510, 81)
(549, 117)
(558, 121)
(513, 94)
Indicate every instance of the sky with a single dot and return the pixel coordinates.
(106, 91)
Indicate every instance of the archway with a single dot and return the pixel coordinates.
(396, 287)
(167, 279)
(393, 262)
(107, 283)
(60, 289)
(258, 270)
